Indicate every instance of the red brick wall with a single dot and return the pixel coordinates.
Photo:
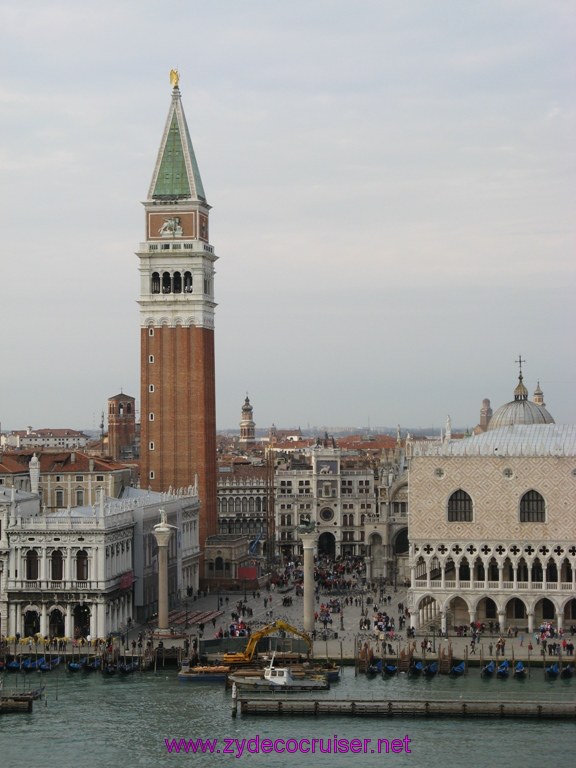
(184, 408)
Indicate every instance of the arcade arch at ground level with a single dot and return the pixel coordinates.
(327, 545)
(90, 617)
(524, 612)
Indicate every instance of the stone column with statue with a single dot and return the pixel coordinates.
(309, 537)
(162, 534)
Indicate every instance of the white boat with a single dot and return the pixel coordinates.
(280, 678)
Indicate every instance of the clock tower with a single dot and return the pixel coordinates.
(176, 263)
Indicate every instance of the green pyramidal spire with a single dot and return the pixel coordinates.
(176, 174)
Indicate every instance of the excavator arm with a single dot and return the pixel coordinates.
(245, 656)
(284, 626)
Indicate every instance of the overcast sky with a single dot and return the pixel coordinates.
(393, 186)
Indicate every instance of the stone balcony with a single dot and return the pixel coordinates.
(436, 585)
(65, 585)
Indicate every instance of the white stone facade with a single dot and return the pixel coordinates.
(44, 438)
(182, 510)
(86, 571)
(335, 498)
(243, 495)
(64, 575)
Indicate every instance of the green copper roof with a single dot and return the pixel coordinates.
(172, 179)
(176, 175)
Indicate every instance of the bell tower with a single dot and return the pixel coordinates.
(176, 263)
(247, 425)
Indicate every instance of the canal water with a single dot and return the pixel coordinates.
(91, 720)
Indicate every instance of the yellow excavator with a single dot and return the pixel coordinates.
(246, 656)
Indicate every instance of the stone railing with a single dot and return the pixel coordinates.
(66, 585)
(494, 585)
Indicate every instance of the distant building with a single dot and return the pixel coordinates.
(14, 472)
(520, 410)
(277, 436)
(44, 438)
(485, 416)
(122, 427)
(229, 562)
(64, 478)
(243, 498)
(247, 426)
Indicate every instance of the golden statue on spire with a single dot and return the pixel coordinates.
(174, 78)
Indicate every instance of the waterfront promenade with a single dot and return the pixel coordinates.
(345, 625)
(344, 635)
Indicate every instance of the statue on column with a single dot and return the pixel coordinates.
(306, 524)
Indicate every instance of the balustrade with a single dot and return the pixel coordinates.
(436, 584)
(68, 585)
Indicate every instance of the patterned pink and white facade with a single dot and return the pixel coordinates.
(493, 528)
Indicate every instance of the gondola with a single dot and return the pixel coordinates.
(31, 665)
(430, 669)
(519, 670)
(15, 665)
(48, 666)
(390, 669)
(488, 669)
(374, 669)
(128, 667)
(93, 664)
(458, 669)
(77, 666)
(416, 668)
(503, 670)
(567, 672)
(553, 671)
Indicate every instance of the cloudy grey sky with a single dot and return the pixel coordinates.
(393, 186)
